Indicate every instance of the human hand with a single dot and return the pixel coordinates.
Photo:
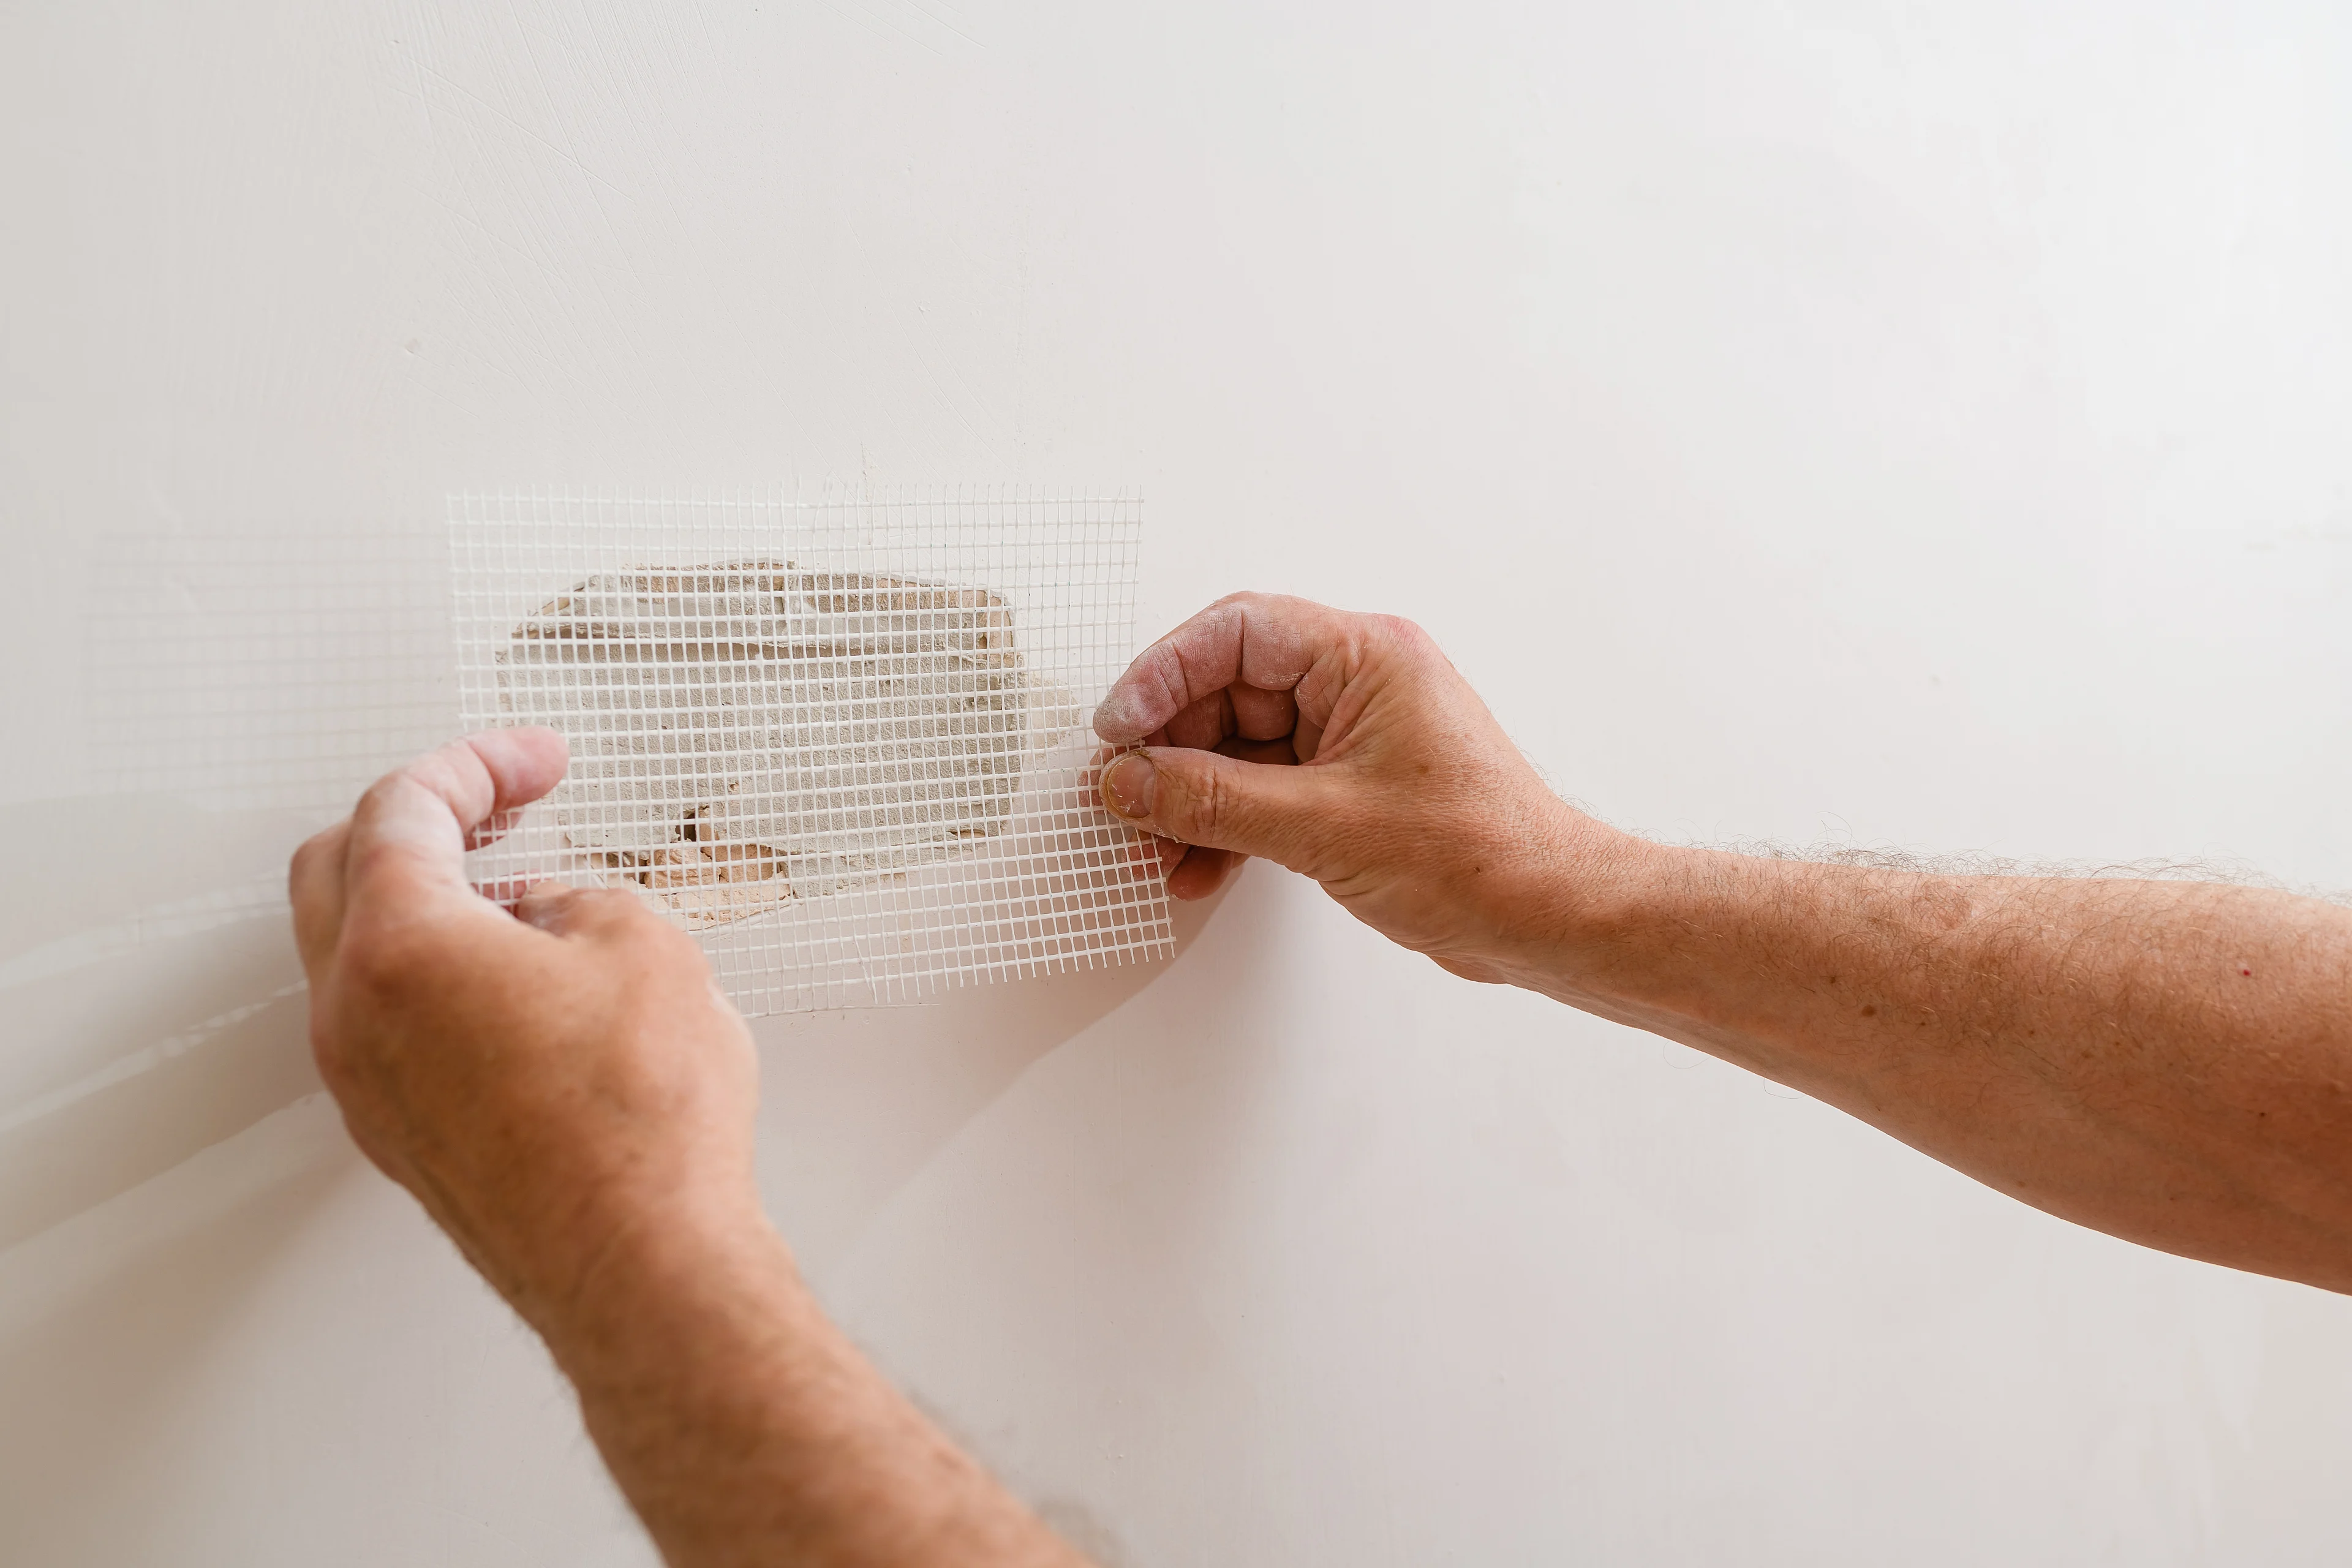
(1347, 747)
(551, 1084)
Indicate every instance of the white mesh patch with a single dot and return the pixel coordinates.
(846, 742)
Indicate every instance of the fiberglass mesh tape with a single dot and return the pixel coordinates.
(847, 744)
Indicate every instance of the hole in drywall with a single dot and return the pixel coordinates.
(748, 732)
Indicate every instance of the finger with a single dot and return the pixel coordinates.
(1202, 873)
(506, 894)
(1265, 640)
(1262, 715)
(314, 886)
(1150, 850)
(1285, 814)
(415, 822)
(1202, 724)
(584, 912)
(1272, 753)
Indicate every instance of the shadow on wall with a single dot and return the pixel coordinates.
(159, 1010)
(153, 999)
(854, 1105)
(174, 1164)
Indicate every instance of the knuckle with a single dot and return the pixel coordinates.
(630, 914)
(1203, 805)
(1166, 666)
(622, 916)
(434, 775)
(388, 863)
(686, 953)
(610, 903)
(387, 962)
(390, 784)
(1249, 614)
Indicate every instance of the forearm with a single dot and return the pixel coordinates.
(2169, 1062)
(745, 1428)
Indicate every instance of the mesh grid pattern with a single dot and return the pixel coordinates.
(846, 741)
(266, 668)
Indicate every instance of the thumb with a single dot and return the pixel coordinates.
(1278, 812)
(415, 823)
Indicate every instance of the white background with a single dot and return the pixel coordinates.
(1916, 424)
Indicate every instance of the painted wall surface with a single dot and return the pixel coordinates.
(1911, 424)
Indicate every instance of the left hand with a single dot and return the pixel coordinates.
(557, 1085)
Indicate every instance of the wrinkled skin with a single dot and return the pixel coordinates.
(2170, 1062)
(1402, 797)
(543, 1082)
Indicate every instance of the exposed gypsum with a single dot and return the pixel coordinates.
(1060, 883)
(748, 731)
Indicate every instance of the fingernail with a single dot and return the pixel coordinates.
(1131, 785)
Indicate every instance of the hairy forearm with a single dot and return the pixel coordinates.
(2169, 1062)
(2165, 1061)
(744, 1428)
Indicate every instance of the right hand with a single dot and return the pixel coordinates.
(1348, 748)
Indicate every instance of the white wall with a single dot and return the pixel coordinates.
(1905, 423)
